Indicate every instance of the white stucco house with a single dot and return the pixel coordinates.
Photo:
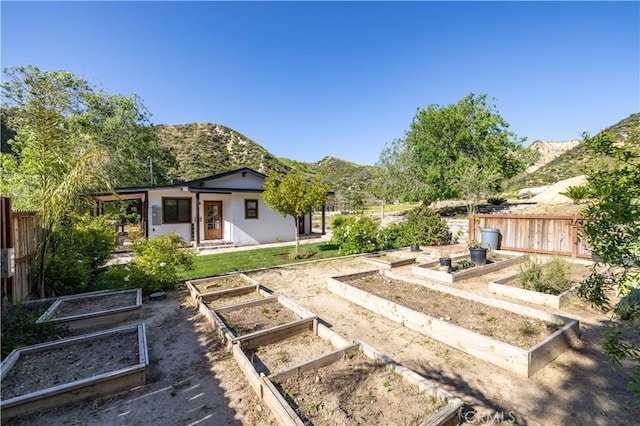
(222, 208)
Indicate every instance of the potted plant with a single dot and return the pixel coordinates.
(477, 253)
(444, 261)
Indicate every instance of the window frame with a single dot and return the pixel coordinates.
(247, 209)
(178, 202)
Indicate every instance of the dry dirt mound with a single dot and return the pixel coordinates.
(552, 194)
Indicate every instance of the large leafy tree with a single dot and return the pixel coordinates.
(294, 195)
(611, 225)
(444, 141)
(69, 140)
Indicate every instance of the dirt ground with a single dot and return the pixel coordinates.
(193, 380)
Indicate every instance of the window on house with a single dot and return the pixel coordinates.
(176, 210)
(250, 209)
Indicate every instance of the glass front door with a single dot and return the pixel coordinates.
(213, 220)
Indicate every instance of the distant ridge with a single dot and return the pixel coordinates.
(570, 163)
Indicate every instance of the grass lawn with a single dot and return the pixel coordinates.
(215, 264)
(390, 208)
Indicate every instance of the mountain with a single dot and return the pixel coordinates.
(570, 162)
(344, 177)
(204, 149)
(548, 151)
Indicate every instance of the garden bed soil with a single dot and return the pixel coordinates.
(32, 372)
(508, 327)
(249, 319)
(233, 300)
(357, 391)
(224, 282)
(284, 354)
(81, 305)
(86, 312)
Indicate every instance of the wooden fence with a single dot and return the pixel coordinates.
(20, 238)
(544, 234)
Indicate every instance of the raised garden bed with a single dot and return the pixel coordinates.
(356, 390)
(305, 345)
(497, 259)
(381, 391)
(89, 311)
(389, 260)
(510, 286)
(249, 317)
(284, 354)
(212, 288)
(473, 324)
(56, 373)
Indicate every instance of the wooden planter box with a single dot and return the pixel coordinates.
(101, 384)
(501, 288)
(265, 386)
(388, 261)
(94, 310)
(215, 287)
(524, 362)
(426, 270)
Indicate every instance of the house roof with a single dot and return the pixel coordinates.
(191, 186)
(196, 182)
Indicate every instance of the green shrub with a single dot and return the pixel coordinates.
(76, 251)
(155, 265)
(354, 234)
(631, 281)
(496, 201)
(300, 254)
(392, 236)
(629, 306)
(550, 278)
(424, 226)
(19, 326)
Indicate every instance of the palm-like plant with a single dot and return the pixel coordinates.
(577, 193)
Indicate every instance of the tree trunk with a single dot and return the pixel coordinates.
(41, 261)
(297, 221)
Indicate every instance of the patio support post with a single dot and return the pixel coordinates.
(197, 219)
(324, 208)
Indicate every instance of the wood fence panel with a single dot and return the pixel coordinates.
(26, 227)
(20, 232)
(545, 234)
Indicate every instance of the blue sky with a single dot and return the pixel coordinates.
(312, 79)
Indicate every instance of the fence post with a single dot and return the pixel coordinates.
(472, 227)
(574, 236)
(7, 242)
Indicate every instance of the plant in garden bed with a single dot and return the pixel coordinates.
(462, 265)
(550, 278)
(19, 326)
